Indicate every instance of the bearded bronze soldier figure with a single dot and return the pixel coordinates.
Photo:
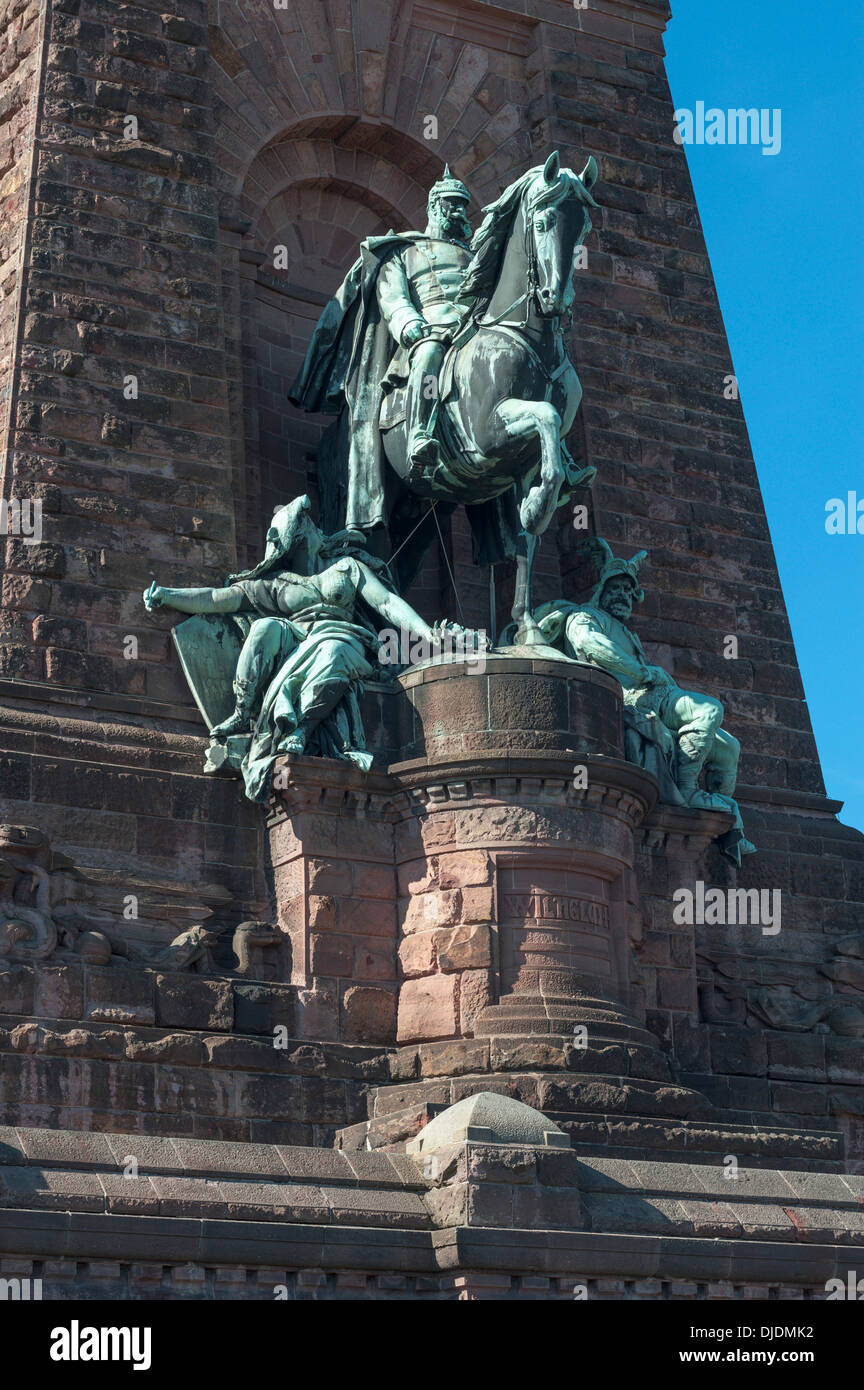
(418, 288)
(446, 367)
(389, 324)
(676, 734)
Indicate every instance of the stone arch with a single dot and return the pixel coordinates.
(316, 106)
(317, 199)
(318, 141)
(373, 75)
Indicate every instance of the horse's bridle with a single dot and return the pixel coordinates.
(527, 294)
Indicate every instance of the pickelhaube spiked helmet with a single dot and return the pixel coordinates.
(449, 187)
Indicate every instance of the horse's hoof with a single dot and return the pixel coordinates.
(529, 634)
(528, 516)
(582, 477)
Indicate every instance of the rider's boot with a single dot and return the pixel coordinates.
(423, 453)
(295, 742)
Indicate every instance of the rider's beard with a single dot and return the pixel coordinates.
(453, 226)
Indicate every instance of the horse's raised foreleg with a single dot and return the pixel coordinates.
(521, 420)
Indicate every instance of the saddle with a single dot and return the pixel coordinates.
(393, 409)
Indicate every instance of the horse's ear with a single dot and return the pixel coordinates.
(552, 167)
(588, 177)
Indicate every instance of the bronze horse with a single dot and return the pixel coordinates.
(507, 393)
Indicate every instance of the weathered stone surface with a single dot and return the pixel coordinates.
(511, 1054)
(190, 1002)
(477, 904)
(321, 913)
(463, 869)
(368, 1014)
(428, 910)
(16, 990)
(476, 991)
(59, 992)
(114, 996)
(454, 1058)
(427, 1008)
(318, 1013)
(262, 1008)
(417, 953)
(464, 948)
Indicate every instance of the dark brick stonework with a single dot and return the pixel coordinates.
(152, 158)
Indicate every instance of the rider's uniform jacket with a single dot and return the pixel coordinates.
(421, 281)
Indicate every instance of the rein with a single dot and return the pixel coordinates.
(512, 331)
(516, 330)
(527, 294)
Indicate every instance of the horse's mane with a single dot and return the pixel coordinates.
(487, 244)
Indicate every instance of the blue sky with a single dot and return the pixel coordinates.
(784, 234)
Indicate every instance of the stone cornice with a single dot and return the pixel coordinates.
(323, 785)
(613, 785)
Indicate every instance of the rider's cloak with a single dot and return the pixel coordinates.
(345, 366)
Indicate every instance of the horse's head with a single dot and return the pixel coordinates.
(556, 214)
(530, 236)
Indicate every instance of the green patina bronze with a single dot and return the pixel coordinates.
(446, 366)
(276, 658)
(675, 734)
(294, 639)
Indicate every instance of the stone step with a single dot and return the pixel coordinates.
(656, 1139)
(398, 1112)
(767, 1145)
(561, 1006)
(530, 1014)
(515, 1052)
(210, 1180)
(528, 1025)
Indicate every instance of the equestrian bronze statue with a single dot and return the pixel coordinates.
(445, 363)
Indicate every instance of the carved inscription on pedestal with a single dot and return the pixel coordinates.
(556, 907)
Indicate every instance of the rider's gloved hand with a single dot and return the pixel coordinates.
(414, 331)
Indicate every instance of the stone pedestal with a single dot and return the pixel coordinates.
(478, 901)
(517, 854)
(331, 851)
(520, 913)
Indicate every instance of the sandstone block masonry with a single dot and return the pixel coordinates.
(152, 158)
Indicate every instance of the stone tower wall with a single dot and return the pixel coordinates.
(148, 253)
